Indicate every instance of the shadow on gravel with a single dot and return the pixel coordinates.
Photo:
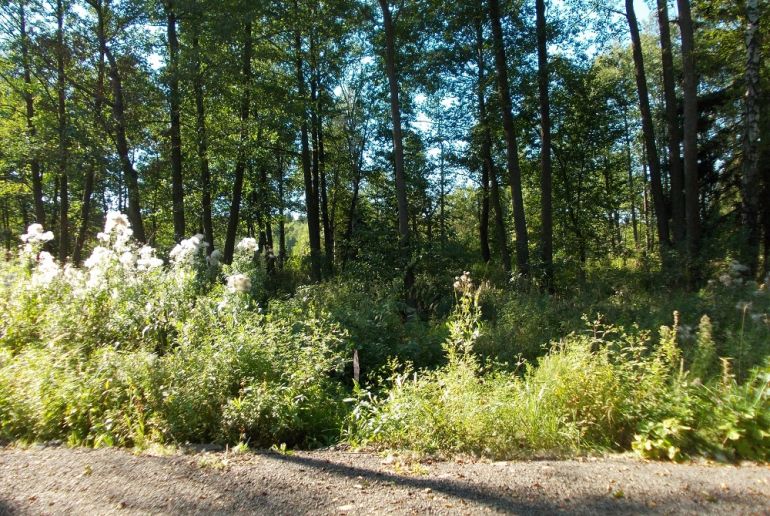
(6, 508)
(492, 498)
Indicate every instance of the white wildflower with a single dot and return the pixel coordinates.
(726, 280)
(36, 235)
(239, 283)
(46, 270)
(247, 245)
(147, 259)
(128, 259)
(115, 220)
(99, 256)
(215, 258)
(185, 252)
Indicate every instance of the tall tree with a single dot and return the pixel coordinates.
(61, 114)
(512, 154)
(311, 193)
(486, 150)
(672, 125)
(97, 159)
(175, 133)
(398, 145)
(690, 138)
(119, 126)
(750, 184)
(29, 103)
(243, 143)
(202, 138)
(648, 130)
(546, 239)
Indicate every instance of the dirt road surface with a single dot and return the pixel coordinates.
(59, 480)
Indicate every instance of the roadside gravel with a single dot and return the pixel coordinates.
(59, 480)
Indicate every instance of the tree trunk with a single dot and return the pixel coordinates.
(281, 215)
(674, 135)
(546, 240)
(398, 148)
(311, 197)
(61, 112)
(240, 163)
(486, 254)
(325, 219)
(486, 152)
(34, 162)
(656, 184)
(203, 145)
(97, 158)
(121, 141)
(631, 192)
(177, 186)
(130, 174)
(512, 154)
(690, 139)
(750, 179)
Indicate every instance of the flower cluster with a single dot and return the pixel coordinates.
(247, 246)
(188, 251)
(239, 284)
(463, 284)
(117, 232)
(36, 235)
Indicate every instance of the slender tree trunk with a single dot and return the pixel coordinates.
(325, 218)
(97, 158)
(486, 254)
(281, 215)
(61, 111)
(512, 154)
(130, 175)
(357, 163)
(546, 211)
(658, 199)
(751, 138)
(674, 135)
(311, 197)
(203, 144)
(29, 102)
(398, 147)
(121, 141)
(486, 152)
(243, 151)
(690, 139)
(177, 186)
(631, 191)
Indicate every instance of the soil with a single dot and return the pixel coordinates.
(60, 480)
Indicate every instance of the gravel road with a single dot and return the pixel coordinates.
(59, 480)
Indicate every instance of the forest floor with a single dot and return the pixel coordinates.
(60, 480)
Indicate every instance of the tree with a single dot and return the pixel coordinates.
(648, 130)
(673, 131)
(750, 183)
(546, 239)
(175, 131)
(690, 138)
(398, 145)
(240, 163)
(512, 154)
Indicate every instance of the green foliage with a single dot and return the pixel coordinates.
(603, 388)
(130, 352)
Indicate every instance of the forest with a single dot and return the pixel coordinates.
(494, 227)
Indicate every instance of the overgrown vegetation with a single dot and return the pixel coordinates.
(131, 351)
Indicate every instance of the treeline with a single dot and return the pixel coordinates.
(536, 136)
